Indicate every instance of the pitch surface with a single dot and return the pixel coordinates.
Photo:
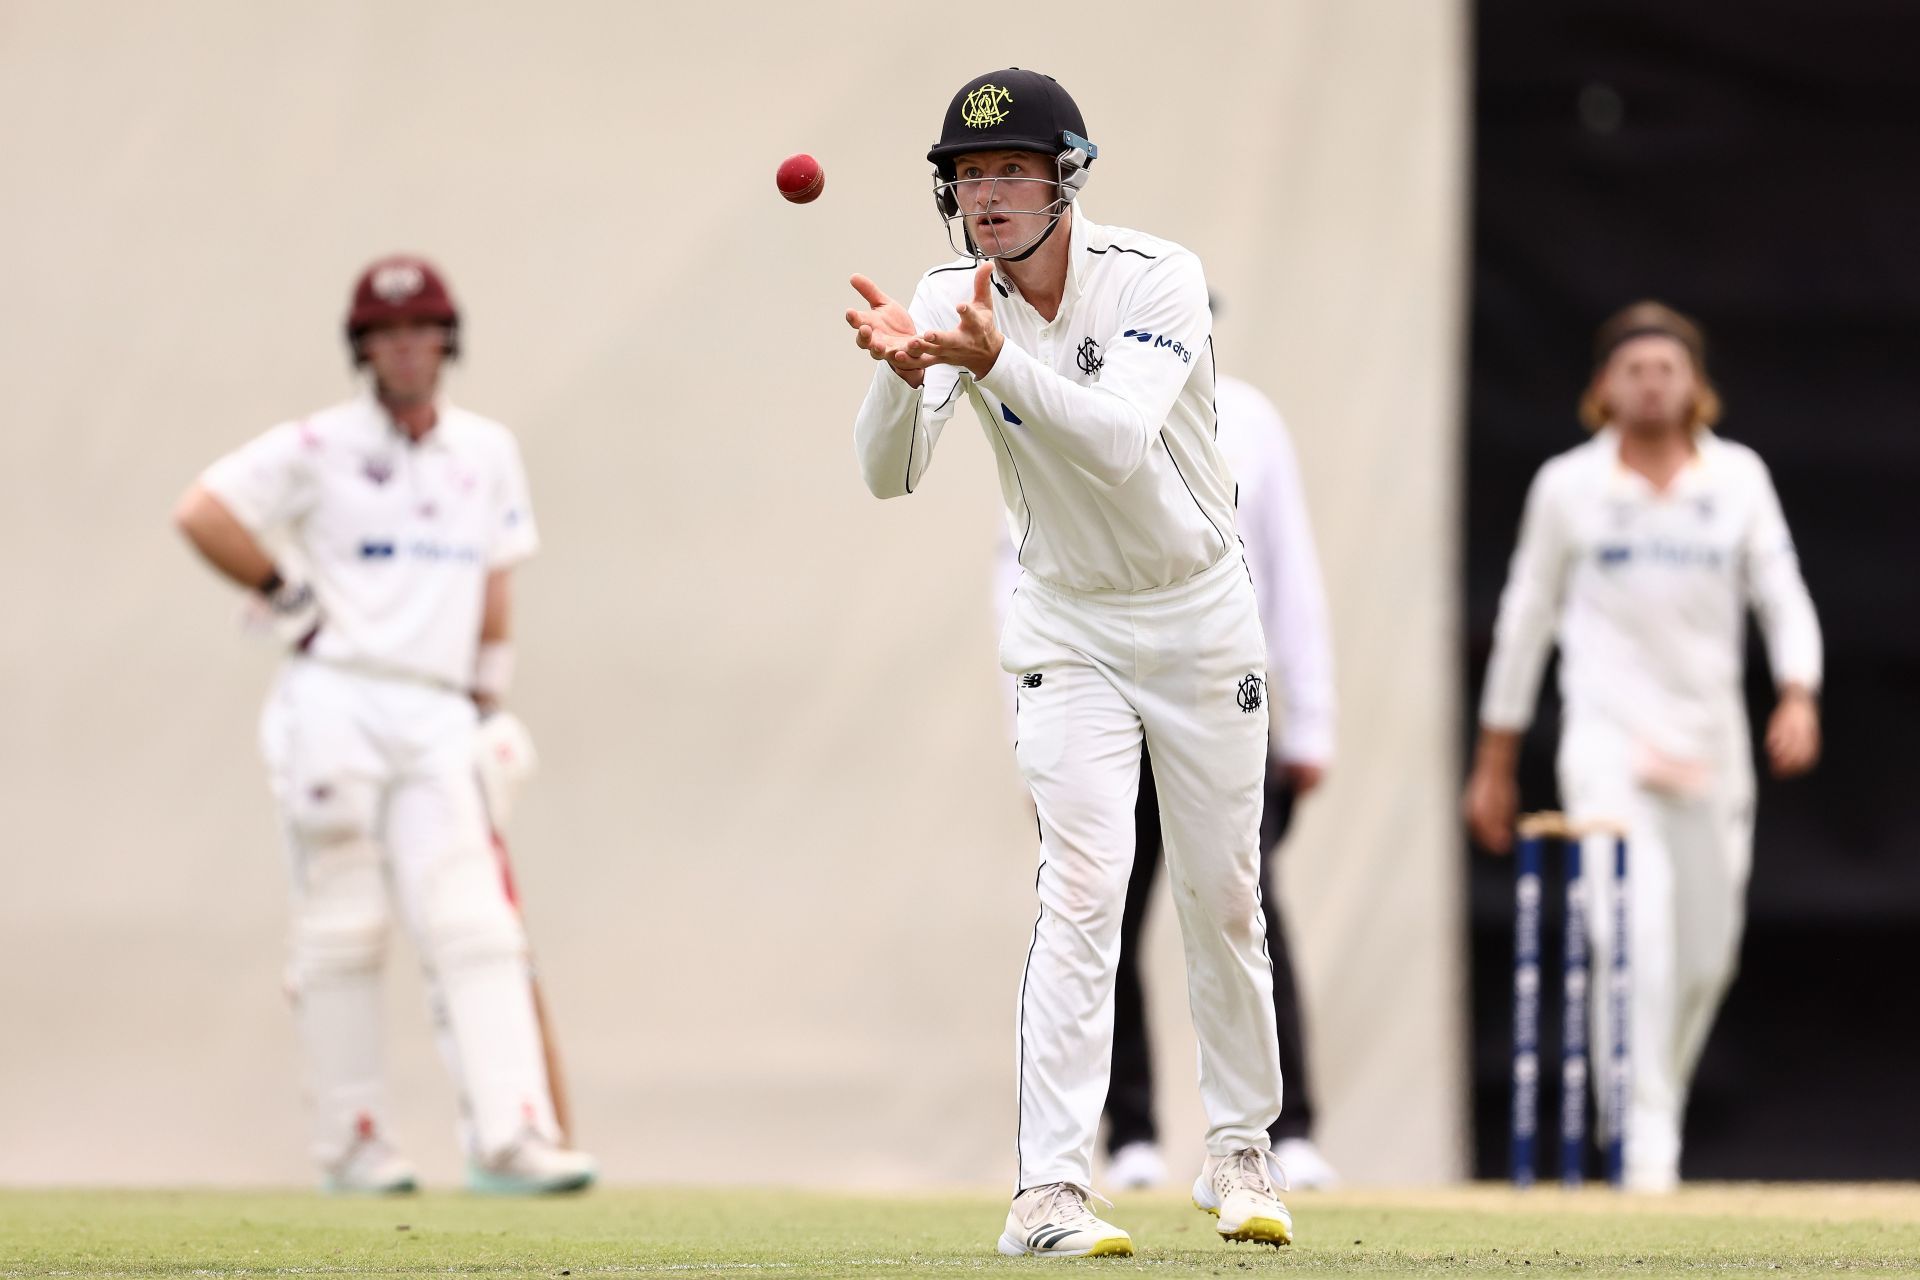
(1776, 1231)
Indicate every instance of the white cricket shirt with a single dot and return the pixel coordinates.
(398, 537)
(1101, 421)
(1286, 570)
(1648, 592)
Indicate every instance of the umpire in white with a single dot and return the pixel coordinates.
(1086, 352)
(399, 519)
(1272, 513)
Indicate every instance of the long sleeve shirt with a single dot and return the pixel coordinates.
(1286, 572)
(1647, 592)
(1101, 420)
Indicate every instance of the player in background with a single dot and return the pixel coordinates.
(1640, 552)
(1278, 538)
(1086, 352)
(406, 516)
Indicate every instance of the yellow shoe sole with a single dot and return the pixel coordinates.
(1255, 1230)
(1112, 1249)
(1263, 1231)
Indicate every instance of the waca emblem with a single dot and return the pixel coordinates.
(1253, 694)
(985, 107)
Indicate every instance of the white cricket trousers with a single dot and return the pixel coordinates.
(374, 778)
(1185, 666)
(1689, 852)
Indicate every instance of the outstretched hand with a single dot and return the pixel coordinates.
(974, 342)
(883, 329)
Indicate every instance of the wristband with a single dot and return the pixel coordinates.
(271, 583)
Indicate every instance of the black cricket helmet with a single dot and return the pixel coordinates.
(1011, 110)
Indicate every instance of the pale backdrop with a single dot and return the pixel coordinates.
(778, 869)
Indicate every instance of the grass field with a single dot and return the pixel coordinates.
(1779, 1231)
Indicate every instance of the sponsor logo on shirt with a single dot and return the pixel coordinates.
(378, 470)
(1031, 680)
(1141, 335)
(1659, 551)
(426, 549)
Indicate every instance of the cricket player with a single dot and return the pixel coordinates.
(1086, 352)
(1640, 552)
(406, 517)
(1278, 539)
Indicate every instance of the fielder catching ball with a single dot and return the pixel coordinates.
(1640, 551)
(408, 515)
(1086, 352)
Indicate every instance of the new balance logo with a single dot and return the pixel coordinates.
(1031, 680)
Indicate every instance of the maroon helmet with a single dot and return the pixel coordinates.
(396, 289)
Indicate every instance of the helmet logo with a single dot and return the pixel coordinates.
(398, 281)
(985, 107)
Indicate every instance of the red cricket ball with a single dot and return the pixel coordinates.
(800, 178)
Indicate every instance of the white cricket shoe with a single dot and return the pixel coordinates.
(1053, 1221)
(1136, 1166)
(1306, 1169)
(370, 1168)
(1239, 1190)
(532, 1167)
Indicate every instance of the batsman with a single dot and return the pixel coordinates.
(377, 541)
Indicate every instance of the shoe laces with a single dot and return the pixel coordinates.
(1246, 1169)
(1065, 1204)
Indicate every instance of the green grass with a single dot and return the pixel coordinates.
(1480, 1230)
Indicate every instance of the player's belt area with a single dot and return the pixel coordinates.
(376, 671)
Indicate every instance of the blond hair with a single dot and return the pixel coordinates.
(1650, 319)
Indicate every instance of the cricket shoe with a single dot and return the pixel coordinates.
(1053, 1221)
(1136, 1166)
(1307, 1169)
(1239, 1190)
(532, 1167)
(370, 1168)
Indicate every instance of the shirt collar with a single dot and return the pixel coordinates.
(382, 421)
(1691, 476)
(1076, 252)
(1076, 261)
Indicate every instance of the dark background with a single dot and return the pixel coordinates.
(1757, 166)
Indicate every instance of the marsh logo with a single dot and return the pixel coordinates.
(986, 107)
(1088, 357)
(1141, 335)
